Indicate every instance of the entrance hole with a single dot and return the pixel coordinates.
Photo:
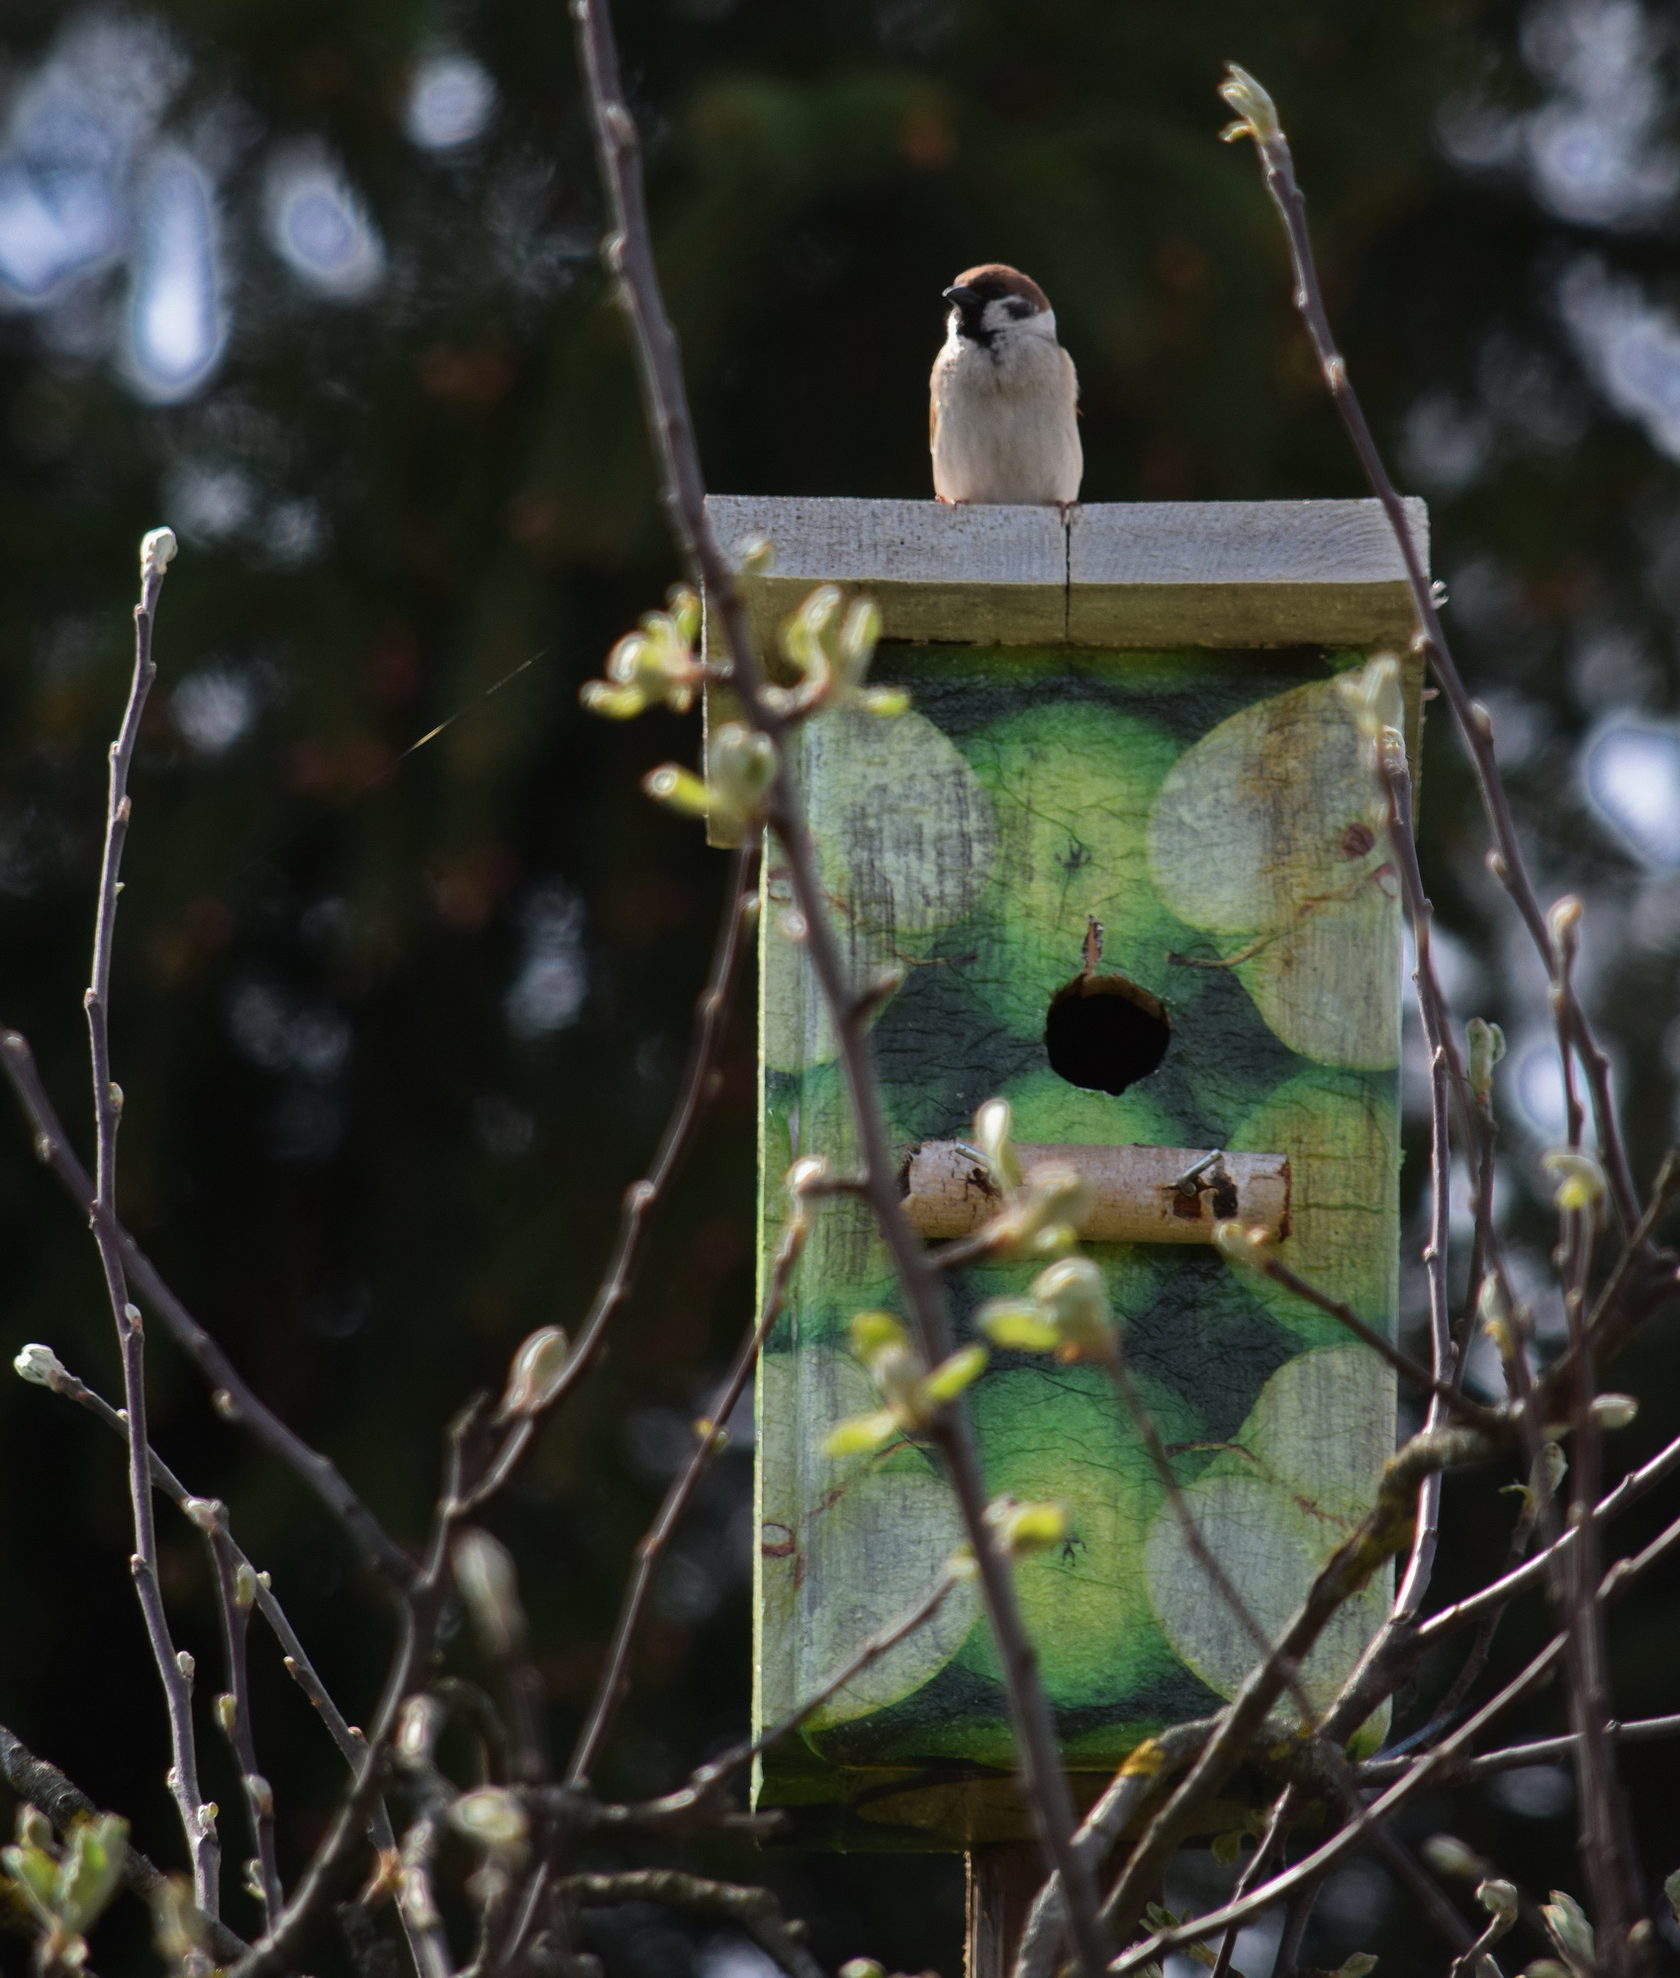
(1105, 1033)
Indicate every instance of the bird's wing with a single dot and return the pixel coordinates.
(1072, 384)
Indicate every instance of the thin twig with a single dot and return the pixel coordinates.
(422, 1837)
(1539, 1751)
(1640, 1280)
(630, 258)
(1447, 1084)
(415, 1901)
(1637, 1484)
(235, 1595)
(1295, 1920)
(1413, 1581)
(1420, 1885)
(1305, 1872)
(1131, 1399)
(651, 1548)
(197, 1819)
(462, 1495)
(1442, 1394)
(1506, 861)
(1606, 1838)
(1278, 1820)
(1385, 1528)
(45, 1370)
(294, 1656)
(487, 1580)
(41, 1784)
(1481, 1647)
(695, 1090)
(629, 255)
(1144, 1773)
(703, 1784)
(234, 1397)
(1440, 1763)
(1420, 1562)
(281, 1944)
(465, 1493)
(1484, 1144)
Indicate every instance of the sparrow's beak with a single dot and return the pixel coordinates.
(961, 296)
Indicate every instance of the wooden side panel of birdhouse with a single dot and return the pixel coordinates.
(1211, 810)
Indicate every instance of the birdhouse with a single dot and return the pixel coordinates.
(1123, 859)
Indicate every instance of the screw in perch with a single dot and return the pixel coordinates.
(1186, 1182)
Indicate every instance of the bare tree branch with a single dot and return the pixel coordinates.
(1380, 1534)
(174, 1670)
(235, 1594)
(695, 1090)
(703, 1785)
(1539, 1751)
(1506, 862)
(234, 1397)
(629, 255)
(43, 1785)
(48, 1371)
(1439, 1763)
(1306, 1872)
(651, 1548)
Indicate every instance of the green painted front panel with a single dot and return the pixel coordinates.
(1205, 806)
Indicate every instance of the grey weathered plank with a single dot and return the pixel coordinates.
(1114, 574)
(912, 541)
(1238, 573)
(973, 575)
(1225, 542)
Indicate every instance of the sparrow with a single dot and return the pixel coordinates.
(1003, 421)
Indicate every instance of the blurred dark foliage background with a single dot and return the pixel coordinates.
(317, 285)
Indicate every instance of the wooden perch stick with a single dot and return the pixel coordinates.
(1143, 1194)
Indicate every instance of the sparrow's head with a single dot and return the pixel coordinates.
(994, 300)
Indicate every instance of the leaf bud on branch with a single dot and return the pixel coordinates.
(914, 1396)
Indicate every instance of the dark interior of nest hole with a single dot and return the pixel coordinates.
(1105, 1033)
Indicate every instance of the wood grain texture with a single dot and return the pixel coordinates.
(1002, 1882)
(1238, 542)
(1238, 573)
(937, 572)
(910, 542)
(1123, 574)
(1210, 807)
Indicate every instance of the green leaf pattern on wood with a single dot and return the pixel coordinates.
(1059, 1433)
(1203, 806)
(1270, 1509)
(1073, 786)
(892, 1507)
(1264, 835)
(905, 839)
(1344, 1240)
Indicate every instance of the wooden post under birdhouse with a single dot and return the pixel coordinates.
(1125, 861)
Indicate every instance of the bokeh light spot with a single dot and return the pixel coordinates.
(319, 227)
(176, 329)
(451, 102)
(1632, 776)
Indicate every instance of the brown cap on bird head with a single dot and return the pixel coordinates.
(975, 287)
